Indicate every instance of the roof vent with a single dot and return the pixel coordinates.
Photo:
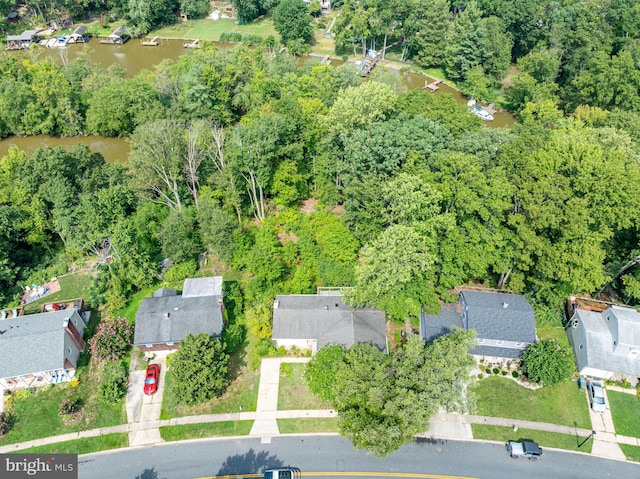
(176, 308)
(276, 304)
(326, 307)
(166, 315)
(505, 305)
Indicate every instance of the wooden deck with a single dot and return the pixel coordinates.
(369, 63)
(433, 86)
(193, 44)
(150, 43)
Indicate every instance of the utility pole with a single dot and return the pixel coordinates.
(593, 433)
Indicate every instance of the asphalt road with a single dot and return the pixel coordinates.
(451, 459)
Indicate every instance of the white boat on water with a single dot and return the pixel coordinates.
(63, 40)
(52, 42)
(482, 113)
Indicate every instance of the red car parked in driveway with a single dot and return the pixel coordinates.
(151, 379)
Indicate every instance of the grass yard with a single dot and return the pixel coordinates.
(625, 409)
(36, 414)
(632, 452)
(131, 309)
(563, 404)
(208, 29)
(211, 429)
(547, 331)
(72, 286)
(544, 438)
(293, 392)
(298, 426)
(82, 446)
(242, 394)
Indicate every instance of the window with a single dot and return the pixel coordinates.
(148, 345)
(499, 342)
(480, 341)
(615, 342)
(75, 321)
(169, 344)
(519, 345)
(69, 350)
(581, 346)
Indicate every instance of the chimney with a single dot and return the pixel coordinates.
(73, 333)
(505, 305)
(166, 315)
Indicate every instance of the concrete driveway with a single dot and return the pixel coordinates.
(143, 411)
(604, 441)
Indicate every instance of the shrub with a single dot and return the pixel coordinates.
(547, 362)
(286, 369)
(112, 339)
(177, 273)
(6, 421)
(504, 373)
(232, 337)
(250, 39)
(67, 406)
(496, 370)
(226, 37)
(488, 371)
(480, 376)
(515, 374)
(114, 382)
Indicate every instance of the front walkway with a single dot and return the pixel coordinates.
(266, 424)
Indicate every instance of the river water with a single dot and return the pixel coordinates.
(134, 57)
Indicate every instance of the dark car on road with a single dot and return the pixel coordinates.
(528, 449)
(151, 379)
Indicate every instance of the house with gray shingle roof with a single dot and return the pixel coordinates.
(310, 321)
(504, 323)
(38, 349)
(167, 317)
(606, 342)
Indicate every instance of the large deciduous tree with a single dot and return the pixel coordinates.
(396, 274)
(200, 369)
(292, 21)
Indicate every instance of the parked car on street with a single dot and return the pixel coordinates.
(282, 473)
(151, 379)
(596, 397)
(528, 449)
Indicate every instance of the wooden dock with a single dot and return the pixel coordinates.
(370, 62)
(193, 44)
(150, 43)
(326, 60)
(433, 86)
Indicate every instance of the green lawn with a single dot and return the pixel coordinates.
(242, 394)
(208, 29)
(544, 438)
(82, 446)
(72, 286)
(563, 404)
(625, 409)
(297, 426)
(211, 429)
(632, 452)
(36, 414)
(131, 309)
(293, 392)
(547, 331)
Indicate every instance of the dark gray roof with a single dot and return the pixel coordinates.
(496, 351)
(327, 320)
(502, 316)
(118, 32)
(33, 343)
(81, 30)
(207, 286)
(186, 315)
(160, 293)
(433, 326)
